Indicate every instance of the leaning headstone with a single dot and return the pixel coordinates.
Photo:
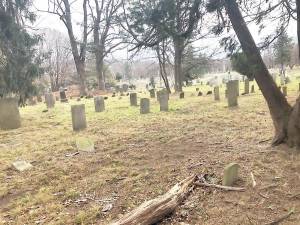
(252, 89)
(85, 144)
(231, 172)
(49, 100)
(133, 99)
(217, 93)
(247, 85)
(232, 94)
(145, 106)
(78, 117)
(9, 114)
(152, 93)
(284, 90)
(62, 95)
(21, 165)
(99, 104)
(164, 102)
(181, 95)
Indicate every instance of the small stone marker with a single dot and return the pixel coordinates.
(230, 175)
(164, 102)
(49, 100)
(200, 93)
(284, 90)
(62, 95)
(217, 93)
(152, 93)
(133, 99)
(99, 104)
(181, 95)
(232, 94)
(9, 114)
(78, 117)
(145, 106)
(247, 85)
(85, 144)
(252, 89)
(39, 98)
(22, 165)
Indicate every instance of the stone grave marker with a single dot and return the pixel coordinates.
(164, 102)
(21, 165)
(49, 100)
(133, 99)
(217, 93)
(9, 114)
(62, 95)
(231, 172)
(181, 95)
(252, 89)
(145, 106)
(152, 93)
(78, 117)
(232, 95)
(85, 144)
(99, 104)
(159, 93)
(247, 85)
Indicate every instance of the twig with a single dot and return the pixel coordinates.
(195, 165)
(279, 220)
(226, 188)
(253, 180)
(264, 196)
(263, 141)
(269, 186)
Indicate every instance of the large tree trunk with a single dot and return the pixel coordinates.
(100, 70)
(280, 109)
(298, 27)
(178, 48)
(162, 67)
(80, 67)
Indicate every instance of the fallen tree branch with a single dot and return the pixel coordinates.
(279, 220)
(226, 188)
(155, 210)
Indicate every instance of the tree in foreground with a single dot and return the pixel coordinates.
(20, 63)
(239, 63)
(286, 118)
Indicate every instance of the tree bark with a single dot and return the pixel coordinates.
(280, 109)
(162, 66)
(298, 26)
(178, 48)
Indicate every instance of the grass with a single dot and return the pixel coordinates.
(138, 157)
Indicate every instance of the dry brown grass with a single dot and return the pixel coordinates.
(140, 156)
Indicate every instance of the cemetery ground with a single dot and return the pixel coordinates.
(138, 157)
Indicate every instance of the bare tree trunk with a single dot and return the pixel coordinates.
(280, 109)
(80, 67)
(162, 66)
(298, 26)
(178, 48)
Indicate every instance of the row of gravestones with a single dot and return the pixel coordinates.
(10, 116)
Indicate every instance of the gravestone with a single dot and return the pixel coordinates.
(284, 90)
(133, 99)
(145, 106)
(164, 102)
(252, 89)
(181, 95)
(99, 104)
(161, 92)
(62, 95)
(152, 93)
(9, 114)
(237, 86)
(217, 93)
(21, 165)
(232, 94)
(200, 93)
(231, 172)
(78, 117)
(125, 87)
(246, 91)
(49, 100)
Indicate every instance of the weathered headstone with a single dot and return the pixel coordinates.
(152, 93)
(181, 95)
(49, 100)
(284, 90)
(9, 114)
(99, 104)
(78, 117)
(200, 93)
(232, 94)
(145, 106)
(133, 99)
(62, 95)
(164, 102)
(237, 86)
(252, 89)
(247, 87)
(21, 165)
(160, 92)
(217, 93)
(231, 172)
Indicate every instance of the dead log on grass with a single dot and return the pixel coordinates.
(157, 209)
